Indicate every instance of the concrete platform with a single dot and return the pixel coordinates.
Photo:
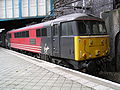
(22, 72)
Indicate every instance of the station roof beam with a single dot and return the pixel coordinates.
(24, 9)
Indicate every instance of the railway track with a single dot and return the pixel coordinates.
(112, 76)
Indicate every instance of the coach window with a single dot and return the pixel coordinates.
(15, 35)
(38, 32)
(9, 35)
(27, 34)
(23, 34)
(66, 29)
(41, 32)
(18, 34)
(44, 31)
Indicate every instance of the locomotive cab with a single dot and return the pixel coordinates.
(83, 39)
(84, 42)
(92, 40)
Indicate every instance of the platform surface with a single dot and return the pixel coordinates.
(22, 72)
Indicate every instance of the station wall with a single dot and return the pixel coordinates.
(112, 21)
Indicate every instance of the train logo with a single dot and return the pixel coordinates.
(46, 48)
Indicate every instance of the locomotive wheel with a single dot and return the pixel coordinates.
(47, 58)
(62, 63)
(118, 55)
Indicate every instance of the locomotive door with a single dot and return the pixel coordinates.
(55, 40)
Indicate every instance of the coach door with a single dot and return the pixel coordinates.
(55, 40)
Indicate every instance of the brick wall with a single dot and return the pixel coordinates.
(101, 6)
(96, 7)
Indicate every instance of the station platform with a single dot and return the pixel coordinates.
(22, 72)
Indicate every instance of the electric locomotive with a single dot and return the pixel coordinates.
(76, 40)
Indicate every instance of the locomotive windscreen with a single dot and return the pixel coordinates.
(91, 27)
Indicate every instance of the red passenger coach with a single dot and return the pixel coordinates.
(25, 39)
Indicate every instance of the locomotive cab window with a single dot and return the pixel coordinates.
(66, 29)
(97, 27)
(102, 28)
(91, 27)
(82, 28)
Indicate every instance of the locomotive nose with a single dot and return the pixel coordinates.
(89, 47)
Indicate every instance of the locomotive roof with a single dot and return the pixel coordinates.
(70, 17)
